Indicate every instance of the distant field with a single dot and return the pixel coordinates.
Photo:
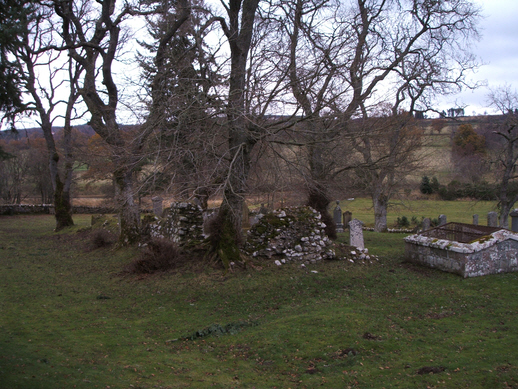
(461, 211)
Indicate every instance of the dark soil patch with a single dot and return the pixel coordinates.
(370, 336)
(348, 352)
(431, 370)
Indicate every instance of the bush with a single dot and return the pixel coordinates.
(425, 186)
(434, 184)
(402, 222)
(157, 256)
(479, 191)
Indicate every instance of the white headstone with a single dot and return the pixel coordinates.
(356, 234)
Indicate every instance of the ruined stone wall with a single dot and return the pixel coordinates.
(182, 223)
(295, 233)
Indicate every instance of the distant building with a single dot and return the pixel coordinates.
(455, 112)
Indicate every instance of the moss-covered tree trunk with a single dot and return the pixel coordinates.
(380, 203)
(62, 205)
(128, 210)
(239, 30)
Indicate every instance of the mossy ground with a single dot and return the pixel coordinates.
(68, 320)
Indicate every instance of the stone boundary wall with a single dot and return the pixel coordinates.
(17, 209)
(24, 209)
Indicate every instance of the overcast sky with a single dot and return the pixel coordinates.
(497, 50)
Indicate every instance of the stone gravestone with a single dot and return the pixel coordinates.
(347, 216)
(475, 219)
(157, 205)
(246, 216)
(263, 210)
(492, 219)
(442, 220)
(356, 234)
(337, 217)
(426, 223)
(514, 220)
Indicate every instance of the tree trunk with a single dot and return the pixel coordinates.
(129, 213)
(240, 140)
(380, 202)
(505, 208)
(318, 193)
(318, 198)
(62, 206)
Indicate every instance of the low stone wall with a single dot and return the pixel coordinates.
(18, 209)
(495, 253)
(24, 209)
(292, 233)
(182, 223)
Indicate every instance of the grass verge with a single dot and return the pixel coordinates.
(68, 320)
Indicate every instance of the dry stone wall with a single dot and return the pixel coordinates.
(24, 209)
(182, 223)
(295, 233)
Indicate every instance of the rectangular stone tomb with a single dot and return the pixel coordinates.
(466, 249)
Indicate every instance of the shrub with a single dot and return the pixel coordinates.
(425, 186)
(434, 184)
(479, 191)
(402, 222)
(157, 256)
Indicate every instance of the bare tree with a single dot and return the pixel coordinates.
(388, 148)
(505, 100)
(337, 57)
(182, 80)
(44, 73)
(238, 28)
(92, 32)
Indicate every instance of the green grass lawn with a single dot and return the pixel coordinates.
(68, 320)
(460, 211)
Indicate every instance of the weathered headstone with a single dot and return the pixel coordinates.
(337, 217)
(442, 220)
(514, 220)
(475, 219)
(263, 210)
(492, 219)
(246, 217)
(426, 223)
(347, 216)
(157, 205)
(356, 234)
